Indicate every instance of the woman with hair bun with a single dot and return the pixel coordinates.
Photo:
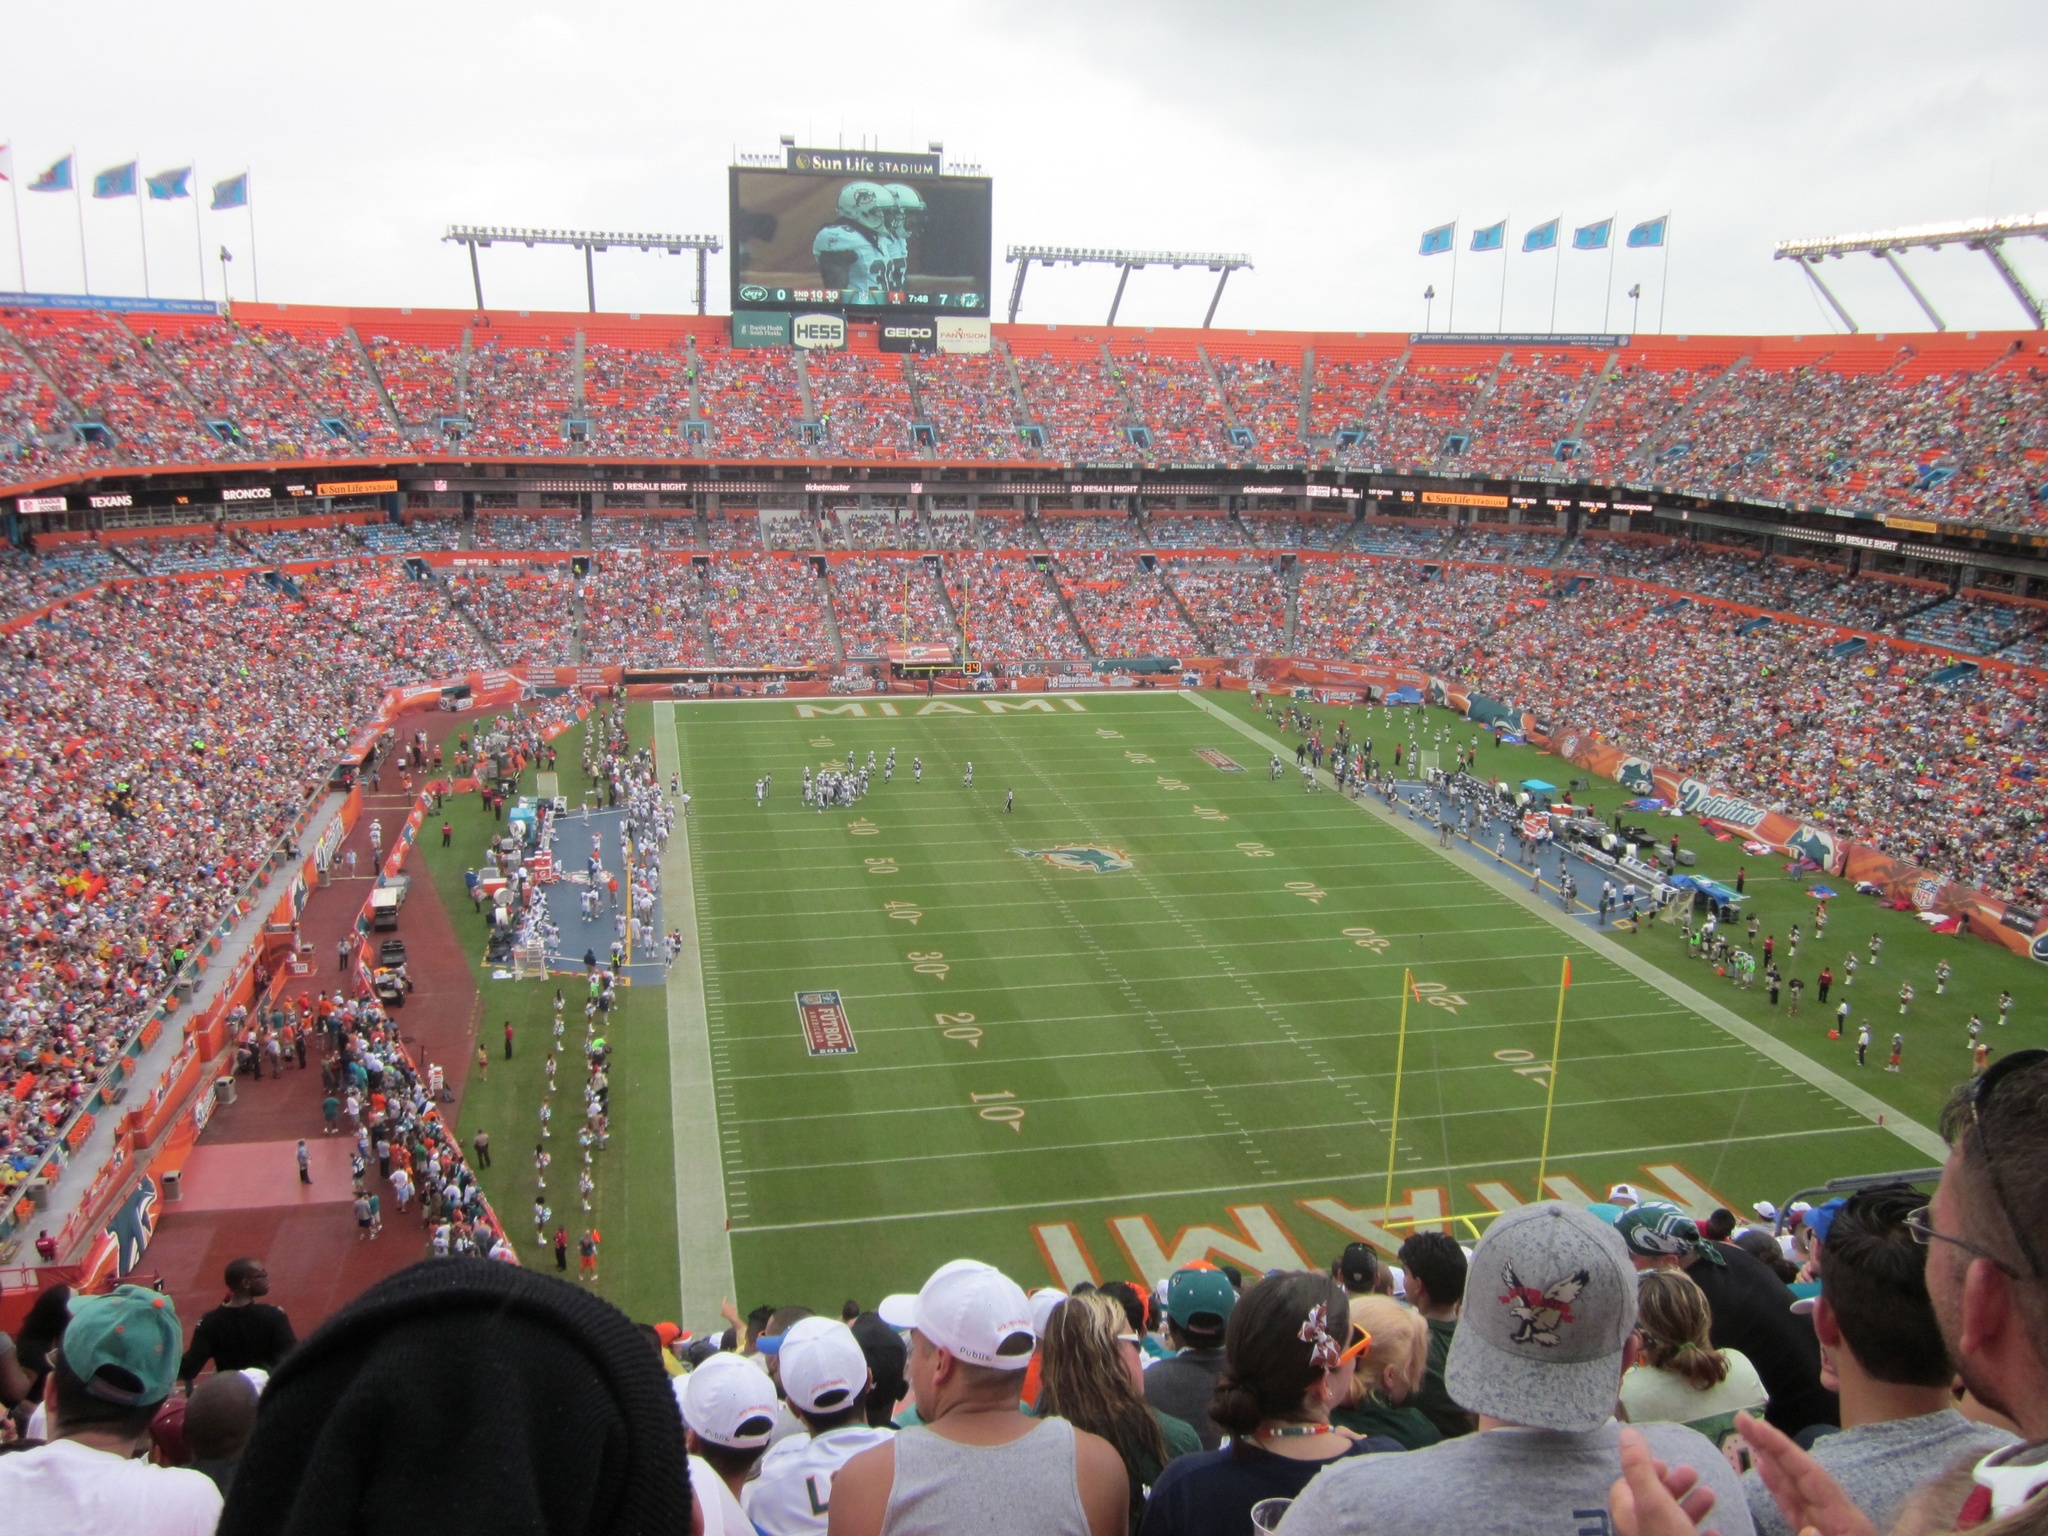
(1289, 1355)
(1679, 1377)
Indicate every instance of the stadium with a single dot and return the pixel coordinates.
(764, 804)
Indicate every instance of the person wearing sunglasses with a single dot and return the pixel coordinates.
(1289, 1354)
(1985, 1231)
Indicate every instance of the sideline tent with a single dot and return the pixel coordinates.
(1723, 895)
(1538, 787)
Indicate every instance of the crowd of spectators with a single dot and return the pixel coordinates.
(1088, 530)
(863, 405)
(1239, 607)
(1216, 531)
(1949, 436)
(1122, 608)
(968, 404)
(766, 612)
(1874, 1363)
(1008, 610)
(880, 603)
(527, 612)
(645, 611)
(530, 530)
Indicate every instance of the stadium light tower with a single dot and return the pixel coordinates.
(1986, 235)
(476, 236)
(1126, 262)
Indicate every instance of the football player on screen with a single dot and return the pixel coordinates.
(905, 218)
(852, 250)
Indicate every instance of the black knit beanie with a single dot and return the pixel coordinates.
(467, 1395)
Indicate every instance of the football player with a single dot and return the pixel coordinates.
(852, 250)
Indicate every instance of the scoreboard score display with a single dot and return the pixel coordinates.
(855, 230)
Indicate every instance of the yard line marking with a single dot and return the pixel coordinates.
(703, 1246)
(1283, 1129)
(1238, 1043)
(1134, 1197)
(1877, 1111)
(811, 1117)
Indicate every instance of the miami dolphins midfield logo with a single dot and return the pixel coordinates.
(1090, 858)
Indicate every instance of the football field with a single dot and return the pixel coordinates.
(1152, 1013)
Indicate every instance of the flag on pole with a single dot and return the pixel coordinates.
(1542, 238)
(1592, 237)
(1491, 238)
(1436, 241)
(232, 193)
(6, 162)
(56, 179)
(166, 185)
(115, 181)
(1649, 232)
(1567, 973)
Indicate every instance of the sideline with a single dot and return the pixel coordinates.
(703, 1246)
(1915, 1135)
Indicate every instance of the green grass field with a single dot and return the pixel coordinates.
(1069, 1072)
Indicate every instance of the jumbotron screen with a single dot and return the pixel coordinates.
(804, 239)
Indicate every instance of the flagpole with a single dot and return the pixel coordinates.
(1451, 313)
(1664, 282)
(1501, 320)
(1607, 302)
(14, 195)
(255, 277)
(1550, 1093)
(1556, 269)
(1400, 1057)
(141, 225)
(78, 206)
(198, 234)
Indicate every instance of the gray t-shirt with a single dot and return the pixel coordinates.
(1878, 1465)
(1181, 1387)
(1504, 1482)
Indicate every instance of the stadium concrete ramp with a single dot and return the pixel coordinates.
(703, 1243)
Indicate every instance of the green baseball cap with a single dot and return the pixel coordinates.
(1199, 1300)
(1658, 1229)
(125, 1345)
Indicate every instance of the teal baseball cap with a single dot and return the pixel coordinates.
(125, 1345)
(1199, 1300)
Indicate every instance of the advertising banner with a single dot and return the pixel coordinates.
(818, 332)
(964, 337)
(908, 336)
(760, 328)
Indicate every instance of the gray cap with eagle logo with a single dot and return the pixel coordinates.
(1548, 1312)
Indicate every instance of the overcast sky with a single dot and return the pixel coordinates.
(1318, 139)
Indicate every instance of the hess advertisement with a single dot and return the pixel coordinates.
(804, 239)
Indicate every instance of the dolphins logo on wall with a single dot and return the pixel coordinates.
(1636, 776)
(1090, 858)
(1813, 843)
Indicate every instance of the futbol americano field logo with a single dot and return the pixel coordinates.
(1091, 858)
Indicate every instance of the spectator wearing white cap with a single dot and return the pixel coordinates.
(977, 1463)
(1539, 1357)
(825, 1381)
(728, 1405)
(1199, 1301)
